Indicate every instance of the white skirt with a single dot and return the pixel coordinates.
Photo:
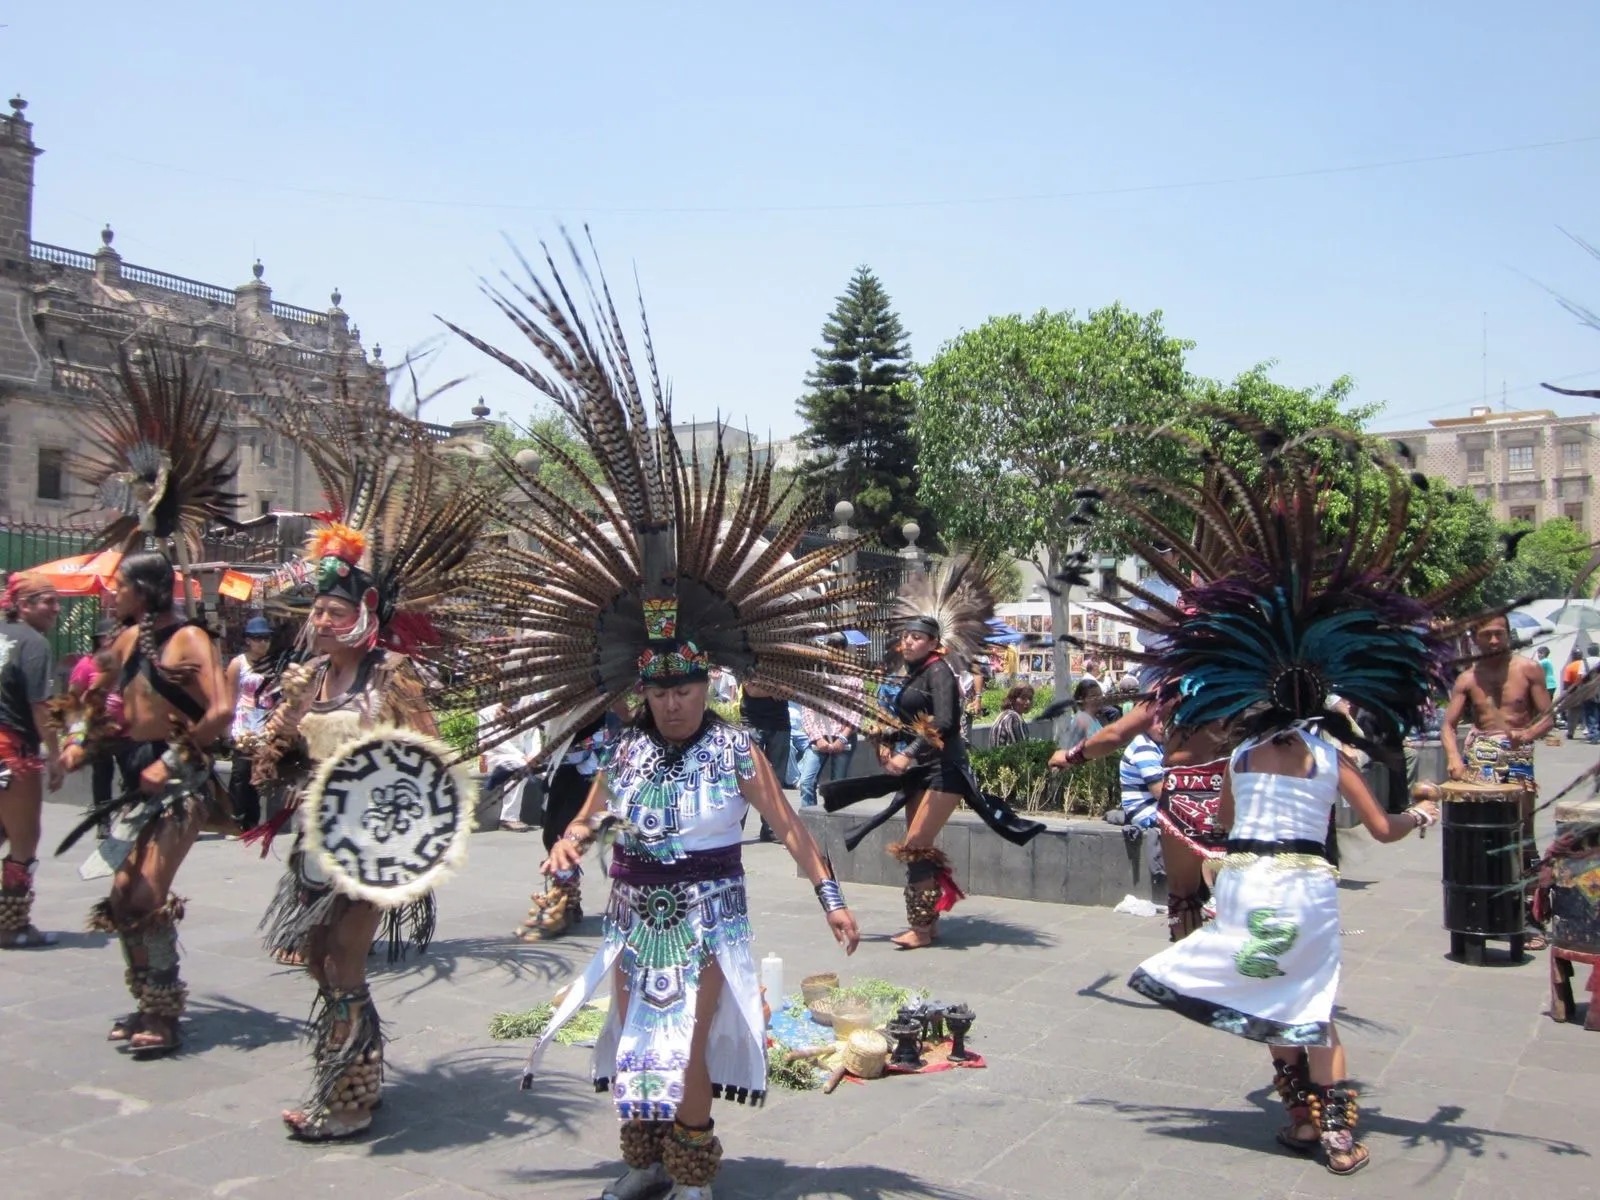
(663, 935)
(1268, 967)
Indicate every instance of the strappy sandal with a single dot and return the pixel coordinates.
(289, 958)
(124, 1028)
(169, 1041)
(324, 1126)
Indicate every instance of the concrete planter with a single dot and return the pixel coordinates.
(1071, 862)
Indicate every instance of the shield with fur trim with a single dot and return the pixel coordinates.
(388, 814)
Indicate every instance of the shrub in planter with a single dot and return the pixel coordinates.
(459, 729)
(1021, 776)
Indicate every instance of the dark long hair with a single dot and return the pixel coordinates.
(150, 573)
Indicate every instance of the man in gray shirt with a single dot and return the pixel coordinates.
(27, 665)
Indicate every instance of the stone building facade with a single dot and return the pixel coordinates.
(63, 313)
(1529, 466)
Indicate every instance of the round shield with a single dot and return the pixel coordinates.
(387, 815)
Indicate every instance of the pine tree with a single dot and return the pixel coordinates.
(858, 414)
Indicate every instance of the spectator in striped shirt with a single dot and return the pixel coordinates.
(1141, 776)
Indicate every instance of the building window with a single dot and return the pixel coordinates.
(1573, 513)
(1522, 512)
(1571, 455)
(1474, 462)
(1520, 458)
(52, 467)
(266, 507)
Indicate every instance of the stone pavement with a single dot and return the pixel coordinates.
(1469, 1089)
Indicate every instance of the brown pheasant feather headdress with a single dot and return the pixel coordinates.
(665, 566)
(401, 519)
(153, 459)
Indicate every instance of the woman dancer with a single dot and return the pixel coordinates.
(944, 624)
(687, 1022)
(669, 577)
(372, 590)
(1301, 612)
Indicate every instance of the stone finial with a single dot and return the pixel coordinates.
(528, 459)
(377, 353)
(336, 297)
(257, 269)
(480, 410)
(911, 531)
(107, 236)
(843, 513)
(18, 107)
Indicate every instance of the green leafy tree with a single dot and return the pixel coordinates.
(549, 425)
(1010, 414)
(1548, 560)
(858, 414)
(1461, 534)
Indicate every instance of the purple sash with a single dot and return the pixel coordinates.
(697, 866)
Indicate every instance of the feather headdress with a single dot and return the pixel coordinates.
(1274, 602)
(401, 519)
(953, 602)
(664, 565)
(153, 459)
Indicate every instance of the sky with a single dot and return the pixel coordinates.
(1360, 188)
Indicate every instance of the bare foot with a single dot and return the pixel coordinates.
(290, 958)
(914, 939)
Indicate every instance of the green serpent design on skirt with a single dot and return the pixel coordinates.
(1269, 937)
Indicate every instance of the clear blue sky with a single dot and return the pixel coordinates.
(746, 157)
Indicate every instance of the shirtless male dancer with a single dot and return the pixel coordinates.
(1194, 761)
(177, 704)
(1505, 698)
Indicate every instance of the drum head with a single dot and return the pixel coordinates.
(387, 815)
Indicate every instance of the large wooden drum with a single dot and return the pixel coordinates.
(1484, 884)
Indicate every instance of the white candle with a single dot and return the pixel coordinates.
(772, 979)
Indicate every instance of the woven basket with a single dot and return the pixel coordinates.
(866, 1053)
(814, 987)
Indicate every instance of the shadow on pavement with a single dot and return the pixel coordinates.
(1251, 1131)
(1343, 1016)
(224, 1021)
(967, 933)
(521, 962)
(1097, 991)
(480, 1087)
(774, 1179)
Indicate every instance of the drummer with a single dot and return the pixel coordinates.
(1508, 705)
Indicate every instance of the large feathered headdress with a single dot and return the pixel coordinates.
(1281, 602)
(663, 566)
(401, 518)
(153, 458)
(952, 602)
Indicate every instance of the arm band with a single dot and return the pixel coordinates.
(830, 897)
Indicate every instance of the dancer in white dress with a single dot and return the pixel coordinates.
(1267, 968)
(1280, 608)
(647, 583)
